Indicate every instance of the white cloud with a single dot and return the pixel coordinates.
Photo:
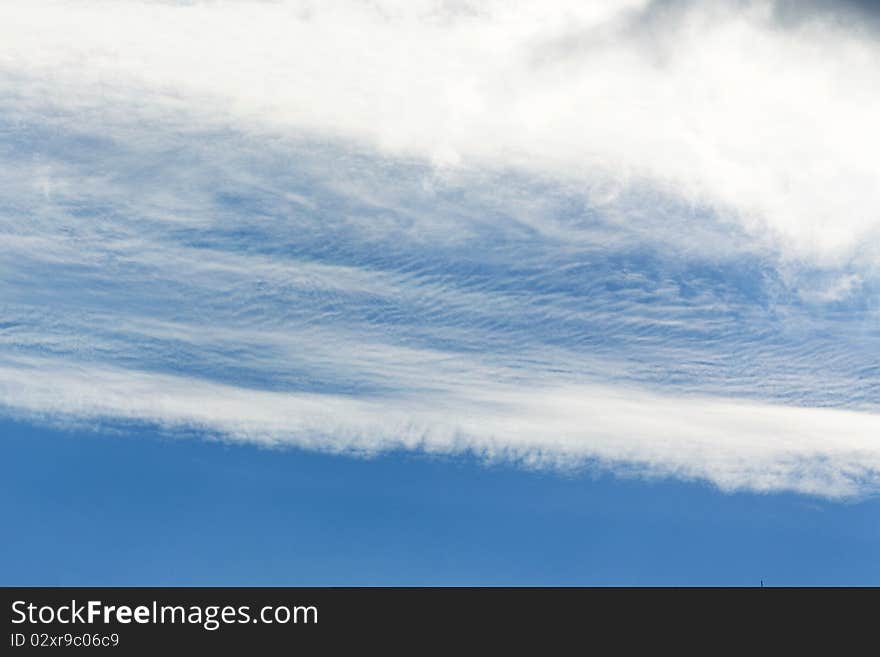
(555, 232)
(772, 127)
(734, 444)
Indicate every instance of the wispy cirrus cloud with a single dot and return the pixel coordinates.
(639, 234)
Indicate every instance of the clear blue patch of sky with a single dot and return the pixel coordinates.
(82, 507)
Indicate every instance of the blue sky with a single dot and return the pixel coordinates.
(604, 266)
(87, 508)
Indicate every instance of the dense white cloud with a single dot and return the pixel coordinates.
(770, 126)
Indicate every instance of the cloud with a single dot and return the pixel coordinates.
(618, 233)
(853, 14)
(734, 444)
(771, 129)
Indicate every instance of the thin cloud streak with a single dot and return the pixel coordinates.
(735, 445)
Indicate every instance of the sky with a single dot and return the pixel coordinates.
(90, 508)
(510, 292)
